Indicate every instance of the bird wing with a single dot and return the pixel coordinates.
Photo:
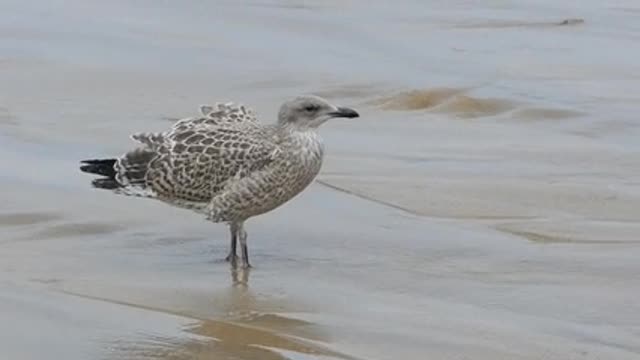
(229, 112)
(219, 114)
(195, 162)
(197, 156)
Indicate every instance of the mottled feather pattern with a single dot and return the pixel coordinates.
(131, 169)
(199, 160)
(224, 162)
(293, 166)
(219, 114)
(229, 113)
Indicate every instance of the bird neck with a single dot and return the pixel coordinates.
(296, 128)
(302, 137)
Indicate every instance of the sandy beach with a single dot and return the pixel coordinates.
(486, 204)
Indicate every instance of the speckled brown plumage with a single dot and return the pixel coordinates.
(224, 163)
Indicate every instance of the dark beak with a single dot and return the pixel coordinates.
(345, 113)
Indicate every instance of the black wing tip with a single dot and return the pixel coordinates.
(102, 167)
(98, 161)
(105, 183)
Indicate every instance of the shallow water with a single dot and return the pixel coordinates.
(485, 205)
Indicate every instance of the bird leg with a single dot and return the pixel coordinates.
(243, 243)
(232, 257)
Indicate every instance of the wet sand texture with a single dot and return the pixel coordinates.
(484, 206)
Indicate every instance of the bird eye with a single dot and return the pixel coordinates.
(310, 108)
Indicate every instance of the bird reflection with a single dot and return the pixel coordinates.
(240, 277)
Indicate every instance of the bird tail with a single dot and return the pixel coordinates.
(125, 175)
(103, 167)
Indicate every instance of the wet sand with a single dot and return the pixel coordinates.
(485, 205)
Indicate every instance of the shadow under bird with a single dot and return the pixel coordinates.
(224, 163)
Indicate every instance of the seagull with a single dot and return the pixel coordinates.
(224, 163)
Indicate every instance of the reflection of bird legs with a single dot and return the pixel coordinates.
(240, 276)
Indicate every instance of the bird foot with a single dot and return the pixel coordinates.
(235, 260)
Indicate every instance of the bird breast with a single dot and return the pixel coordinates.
(296, 163)
(300, 162)
(308, 147)
(305, 151)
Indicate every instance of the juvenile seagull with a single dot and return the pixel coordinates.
(225, 164)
